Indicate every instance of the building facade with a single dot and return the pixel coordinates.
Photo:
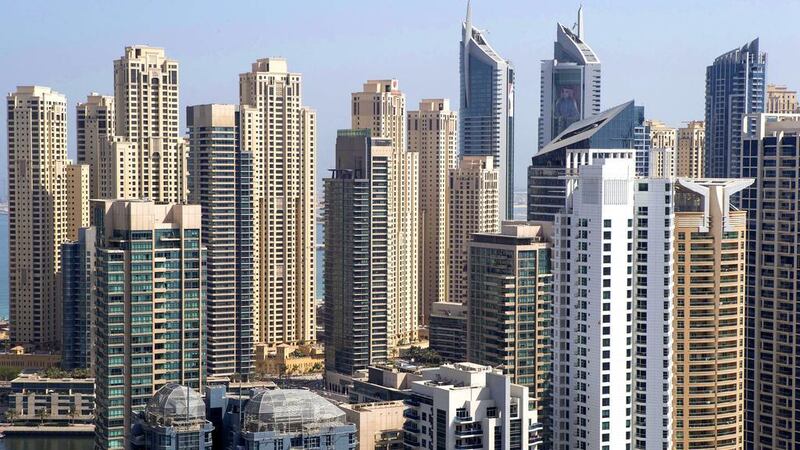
(772, 387)
(61, 400)
(708, 388)
(433, 136)
(96, 123)
(473, 193)
(77, 199)
(379, 425)
(612, 313)
(146, 115)
(221, 182)
(360, 224)
(150, 308)
(280, 134)
(570, 83)
(447, 329)
(37, 184)
(467, 405)
(690, 145)
(174, 419)
(735, 87)
(781, 100)
(510, 305)
(486, 110)
(77, 293)
(381, 108)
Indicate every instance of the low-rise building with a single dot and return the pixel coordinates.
(35, 399)
(19, 359)
(285, 359)
(379, 425)
(448, 329)
(467, 405)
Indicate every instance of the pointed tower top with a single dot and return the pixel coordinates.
(468, 21)
(580, 22)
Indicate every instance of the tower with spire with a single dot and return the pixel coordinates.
(570, 87)
(486, 112)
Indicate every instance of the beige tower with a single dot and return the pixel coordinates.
(146, 115)
(381, 108)
(661, 136)
(781, 100)
(690, 143)
(37, 162)
(281, 135)
(662, 163)
(95, 124)
(473, 194)
(77, 205)
(709, 379)
(433, 135)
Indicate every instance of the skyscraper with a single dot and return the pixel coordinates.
(96, 120)
(570, 83)
(37, 162)
(360, 223)
(472, 196)
(612, 312)
(146, 116)
(781, 100)
(690, 144)
(709, 307)
(486, 113)
(381, 108)
(510, 301)
(77, 293)
(661, 135)
(433, 135)
(773, 389)
(150, 309)
(220, 181)
(606, 135)
(281, 135)
(77, 199)
(735, 86)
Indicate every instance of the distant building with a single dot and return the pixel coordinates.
(609, 134)
(510, 306)
(447, 330)
(486, 110)
(781, 100)
(174, 419)
(96, 124)
(570, 83)
(379, 425)
(735, 87)
(467, 405)
(472, 196)
(294, 418)
(690, 150)
(58, 400)
(78, 290)
(661, 162)
(385, 383)
(38, 213)
(77, 199)
(18, 359)
(433, 135)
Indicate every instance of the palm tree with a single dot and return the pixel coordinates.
(72, 413)
(11, 415)
(42, 414)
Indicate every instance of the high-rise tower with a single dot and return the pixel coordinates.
(96, 119)
(735, 86)
(570, 82)
(487, 108)
(381, 108)
(38, 223)
(433, 135)
(280, 135)
(146, 116)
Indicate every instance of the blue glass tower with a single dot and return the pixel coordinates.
(77, 262)
(735, 86)
(487, 109)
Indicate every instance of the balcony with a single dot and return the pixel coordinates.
(411, 414)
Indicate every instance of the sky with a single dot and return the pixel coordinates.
(652, 51)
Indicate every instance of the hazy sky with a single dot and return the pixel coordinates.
(652, 51)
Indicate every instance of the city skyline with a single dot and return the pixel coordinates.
(211, 62)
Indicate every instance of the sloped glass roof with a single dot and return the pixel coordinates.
(290, 411)
(176, 402)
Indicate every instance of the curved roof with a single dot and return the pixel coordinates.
(290, 410)
(171, 402)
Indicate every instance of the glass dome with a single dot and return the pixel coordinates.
(290, 410)
(174, 402)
